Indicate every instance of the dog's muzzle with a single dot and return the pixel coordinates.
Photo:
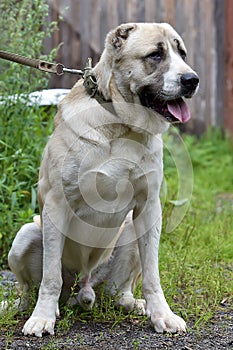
(173, 109)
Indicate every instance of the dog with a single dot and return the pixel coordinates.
(100, 179)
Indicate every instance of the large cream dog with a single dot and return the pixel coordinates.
(100, 180)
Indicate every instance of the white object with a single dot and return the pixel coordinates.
(42, 98)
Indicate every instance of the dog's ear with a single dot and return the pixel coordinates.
(118, 36)
(113, 44)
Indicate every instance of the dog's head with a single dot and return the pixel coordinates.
(148, 64)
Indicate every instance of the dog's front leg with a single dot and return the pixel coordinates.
(148, 228)
(44, 315)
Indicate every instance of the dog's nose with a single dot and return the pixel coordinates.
(189, 80)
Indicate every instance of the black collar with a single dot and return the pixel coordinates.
(91, 87)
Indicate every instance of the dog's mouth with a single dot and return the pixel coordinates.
(174, 111)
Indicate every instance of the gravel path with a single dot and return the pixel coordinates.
(219, 336)
(128, 335)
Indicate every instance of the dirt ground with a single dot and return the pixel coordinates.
(128, 335)
(218, 334)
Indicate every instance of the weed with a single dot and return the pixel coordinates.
(136, 343)
(24, 129)
(194, 258)
(23, 29)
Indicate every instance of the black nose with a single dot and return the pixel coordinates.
(189, 80)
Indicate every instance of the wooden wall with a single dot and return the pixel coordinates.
(200, 23)
(228, 77)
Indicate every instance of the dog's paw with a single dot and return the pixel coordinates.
(39, 325)
(140, 306)
(168, 322)
(131, 304)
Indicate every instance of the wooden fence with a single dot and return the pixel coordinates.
(200, 22)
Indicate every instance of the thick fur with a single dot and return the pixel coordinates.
(99, 186)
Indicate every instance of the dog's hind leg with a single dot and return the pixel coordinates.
(125, 270)
(25, 259)
(125, 280)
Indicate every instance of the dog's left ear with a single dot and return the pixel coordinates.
(118, 36)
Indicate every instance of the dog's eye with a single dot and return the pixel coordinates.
(155, 56)
(183, 55)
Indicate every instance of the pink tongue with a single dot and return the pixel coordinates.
(179, 109)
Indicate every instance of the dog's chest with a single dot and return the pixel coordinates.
(114, 172)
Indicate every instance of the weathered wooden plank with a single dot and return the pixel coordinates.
(122, 10)
(112, 11)
(140, 13)
(131, 11)
(150, 10)
(160, 11)
(210, 60)
(94, 26)
(219, 11)
(190, 29)
(169, 11)
(84, 21)
(103, 25)
(198, 121)
(228, 113)
(179, 15)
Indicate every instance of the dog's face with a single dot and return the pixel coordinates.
(148, 61)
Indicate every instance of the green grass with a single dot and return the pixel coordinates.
(195, 259)
(22, 139)
(24, 130)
